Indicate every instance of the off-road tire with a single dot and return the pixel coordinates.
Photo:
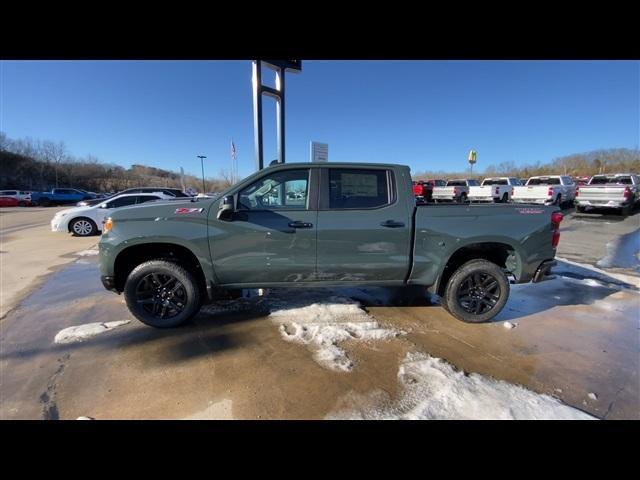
(189, 293)
(487, 272)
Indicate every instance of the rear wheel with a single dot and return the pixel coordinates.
(476, 292)
(558, 201)
(505, 198)
(625, 211)
(83, 227)
(463, 198)
(22, 203)
(580, 209)
(162, 294)
(45, 202)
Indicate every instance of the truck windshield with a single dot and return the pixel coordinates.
(544, 181)
(626, 180)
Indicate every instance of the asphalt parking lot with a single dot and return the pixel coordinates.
(573, 340)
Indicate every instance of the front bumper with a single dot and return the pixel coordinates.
(58, 225)
(108, 282)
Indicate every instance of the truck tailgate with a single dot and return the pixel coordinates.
(603, 194)
(485, 191)
(530, 192)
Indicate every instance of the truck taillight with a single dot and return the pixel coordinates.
(512, 190)
(455, 191)
(556, 218)
(497, 190)
(627, 192)
(577, 191)
(550, 192)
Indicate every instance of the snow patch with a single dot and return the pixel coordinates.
(88, 253)
(602, 275)
(324, 324)
(593, 396)
(434, 390)
(509, 325)
(88, 330)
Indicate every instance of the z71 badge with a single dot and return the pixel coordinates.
(183, 211)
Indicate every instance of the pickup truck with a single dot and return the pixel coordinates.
(354, 224)
(497, 189)
(60, 196)
(621, 191)
(547, 190)
(423, 189)
(454, 191)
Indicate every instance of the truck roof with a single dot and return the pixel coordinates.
(337, 164)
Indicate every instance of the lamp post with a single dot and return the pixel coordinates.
(202, 157)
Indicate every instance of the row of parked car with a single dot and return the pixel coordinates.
(620, 191)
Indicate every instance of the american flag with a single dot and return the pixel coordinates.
(234, 154)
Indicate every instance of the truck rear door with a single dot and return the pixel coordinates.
(364, 225)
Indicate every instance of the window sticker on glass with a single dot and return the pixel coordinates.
(358, 185)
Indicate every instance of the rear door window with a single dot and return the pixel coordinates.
(358, 188)
(122, 202)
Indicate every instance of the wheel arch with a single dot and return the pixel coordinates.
(502, 254)
(134, 255)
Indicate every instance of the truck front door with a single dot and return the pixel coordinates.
(271, 237)
(364, 227)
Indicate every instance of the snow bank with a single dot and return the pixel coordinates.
(88, 253)
(323, 324)
(598, 274)
(82, 332)
(434, 390)
(623, 252)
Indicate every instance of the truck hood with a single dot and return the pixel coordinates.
(164, 208)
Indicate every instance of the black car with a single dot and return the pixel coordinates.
(174, 192)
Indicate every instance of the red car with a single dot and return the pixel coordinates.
(423, 189)
(8, 202)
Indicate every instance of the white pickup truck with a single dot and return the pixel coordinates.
(495, 189)
(620, 190)
(546, 190)
(454, 191)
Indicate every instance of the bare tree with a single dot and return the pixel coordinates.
(56, 153)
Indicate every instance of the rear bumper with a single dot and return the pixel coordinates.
(540, 201)
(602, 203)
(544, 271)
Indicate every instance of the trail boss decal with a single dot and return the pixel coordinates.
(529, 211)
(185, 211)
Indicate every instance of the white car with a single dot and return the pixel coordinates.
(85, 221)
(24, 198)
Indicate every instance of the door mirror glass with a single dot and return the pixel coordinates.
(227, 208)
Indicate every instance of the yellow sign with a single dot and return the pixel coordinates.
(473, 156)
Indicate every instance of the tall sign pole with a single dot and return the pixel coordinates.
(472, 158)
(280, 67)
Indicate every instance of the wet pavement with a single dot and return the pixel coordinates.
(574, 335)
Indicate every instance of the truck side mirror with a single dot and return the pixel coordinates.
(227, 208)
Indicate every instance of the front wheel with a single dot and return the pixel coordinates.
(83, 227)
(476, 292)
(162, 294)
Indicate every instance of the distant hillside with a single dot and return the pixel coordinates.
(34, 165)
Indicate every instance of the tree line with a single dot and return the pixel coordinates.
(612, 160)
(28, 164)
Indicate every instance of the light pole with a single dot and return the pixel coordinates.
(202, 157)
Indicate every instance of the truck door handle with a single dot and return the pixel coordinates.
(392, 224)
(299, 224)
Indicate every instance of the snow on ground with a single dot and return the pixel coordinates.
(88, 253)
(584, 269)
(322, 323)
(623, 252)
(88, 330)
(433, 389)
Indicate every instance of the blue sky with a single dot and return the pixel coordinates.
(427, 114)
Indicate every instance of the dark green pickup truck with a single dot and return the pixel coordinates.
(323, 225)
